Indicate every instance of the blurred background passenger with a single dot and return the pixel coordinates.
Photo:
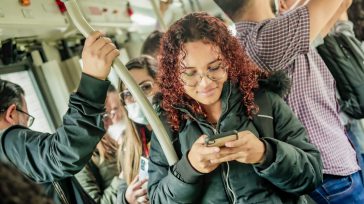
(151, 44)
(100, 178)
(114, 115)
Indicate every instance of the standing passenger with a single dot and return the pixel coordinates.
(53, 159)
(283, 43)
(209, 86)
(135, 144)
(151, 45)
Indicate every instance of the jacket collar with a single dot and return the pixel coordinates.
(3, 157)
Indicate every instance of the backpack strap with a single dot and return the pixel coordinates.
(263, 120)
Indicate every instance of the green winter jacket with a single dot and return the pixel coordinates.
(53, 159)
(100, 181)
(292, 166)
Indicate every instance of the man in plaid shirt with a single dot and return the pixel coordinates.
(283, 43)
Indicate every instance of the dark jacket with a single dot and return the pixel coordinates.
(53, 159)
(292, 165)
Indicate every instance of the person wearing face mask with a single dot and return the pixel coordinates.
(135, 146)
(99, 178)
(114, 117)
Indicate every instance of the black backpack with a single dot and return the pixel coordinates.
(344, 56)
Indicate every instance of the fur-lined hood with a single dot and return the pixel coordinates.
(277, 82)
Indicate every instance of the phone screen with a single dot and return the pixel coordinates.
(220, 139)
(143, 170)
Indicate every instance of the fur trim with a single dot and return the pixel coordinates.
(277, 82)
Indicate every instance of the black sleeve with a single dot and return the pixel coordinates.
(297, 166)
(45, 157)
(167, 184)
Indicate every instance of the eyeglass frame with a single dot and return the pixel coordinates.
(221, 66)
(109, 115)
(126, 90)
(30, 120)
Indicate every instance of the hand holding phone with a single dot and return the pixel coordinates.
(200, 155)
(219, 140)
(247, 149)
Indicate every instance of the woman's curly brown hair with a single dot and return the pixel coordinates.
(191, 28)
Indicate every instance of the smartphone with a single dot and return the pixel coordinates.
(219, 140)
(143, 170)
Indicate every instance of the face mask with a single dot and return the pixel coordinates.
(116, 131)
(136, 114)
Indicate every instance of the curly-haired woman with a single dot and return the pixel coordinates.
(209, 86)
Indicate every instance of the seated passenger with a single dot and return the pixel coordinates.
(100, 178)
(209, 86)
(53, 159)
(135, 143)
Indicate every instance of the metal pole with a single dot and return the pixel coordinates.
(183, 7)
(192, 5)
(198, 3)
(159, 15)
(124, 75)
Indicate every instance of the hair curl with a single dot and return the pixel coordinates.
(195, 27)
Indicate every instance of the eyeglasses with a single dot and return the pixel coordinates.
(192, 78)
(30, 120)
(109, 115)
(146, 87)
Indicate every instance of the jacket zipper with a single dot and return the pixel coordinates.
(224, 176)
(60, 192)
(224, 181)
(215, 130)
(226, 109)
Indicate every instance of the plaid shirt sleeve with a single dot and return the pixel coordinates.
(275, 43)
